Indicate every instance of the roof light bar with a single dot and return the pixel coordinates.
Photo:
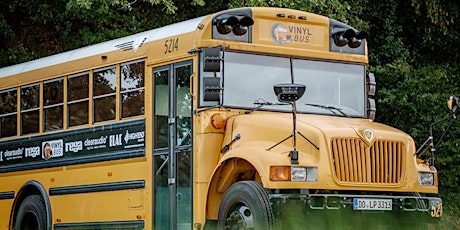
(238, 26)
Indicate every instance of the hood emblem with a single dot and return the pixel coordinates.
(368, 135)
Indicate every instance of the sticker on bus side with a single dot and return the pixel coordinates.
(52, 149)
(88, 144)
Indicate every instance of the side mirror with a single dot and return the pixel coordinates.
(371, 84)
(452, 103)
(212, 88)
(212, 59)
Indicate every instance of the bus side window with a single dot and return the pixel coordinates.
(104, 94)
(78, 99)
(8, 112)
(30, 109)
(132, 89)
(53, 98)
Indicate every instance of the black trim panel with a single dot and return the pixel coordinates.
(6, 195)
(104, 187)
(65, 162)
(72, 148)
(130, 224)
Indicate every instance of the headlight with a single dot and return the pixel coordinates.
(298, 174)
(293, 173)
(426, 179)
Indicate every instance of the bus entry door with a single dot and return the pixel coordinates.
(172, 146)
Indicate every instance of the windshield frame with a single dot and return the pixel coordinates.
(247, 81)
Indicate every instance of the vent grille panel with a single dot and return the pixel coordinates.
(380, 163)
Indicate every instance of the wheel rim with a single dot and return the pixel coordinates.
(239, 217)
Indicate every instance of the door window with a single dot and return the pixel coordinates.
(172, 146)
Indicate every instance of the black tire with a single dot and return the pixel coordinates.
(246, 205)
(31, 214)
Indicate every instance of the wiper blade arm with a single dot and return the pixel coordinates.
(260, 103)
(330, 108)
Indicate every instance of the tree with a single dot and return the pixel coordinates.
(413, 50)
(33, 29)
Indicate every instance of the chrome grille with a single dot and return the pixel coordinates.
(380, 163)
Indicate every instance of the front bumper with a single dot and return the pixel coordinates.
(339, 211)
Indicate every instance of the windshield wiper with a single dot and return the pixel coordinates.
(260, 103)
(331, 108)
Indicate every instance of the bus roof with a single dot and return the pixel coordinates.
(128, 42)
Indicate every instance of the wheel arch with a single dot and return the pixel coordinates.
(32, 187)
(231, 170)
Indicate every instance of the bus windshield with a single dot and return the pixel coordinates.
(331, 88)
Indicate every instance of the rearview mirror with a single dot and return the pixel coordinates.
(452, 103)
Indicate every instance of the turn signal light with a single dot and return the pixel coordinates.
(280, 173)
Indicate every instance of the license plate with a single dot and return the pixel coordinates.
(372, 204)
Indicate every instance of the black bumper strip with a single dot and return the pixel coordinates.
(104, 187)
(130, 224)
(6, 195)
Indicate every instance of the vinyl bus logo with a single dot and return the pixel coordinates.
(52, 149)
(294, 33)
(280, 34)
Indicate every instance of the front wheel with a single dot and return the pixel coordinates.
(31, 214)
(246, 205)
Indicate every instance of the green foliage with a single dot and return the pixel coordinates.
(106, 5)
(32, 29)
(339, 10)
(411, 97)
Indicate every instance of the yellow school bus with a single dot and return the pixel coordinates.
(249, 118)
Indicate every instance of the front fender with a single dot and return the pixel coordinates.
(238, 164)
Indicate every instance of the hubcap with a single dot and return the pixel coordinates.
(240, 218)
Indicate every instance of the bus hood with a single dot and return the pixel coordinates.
(271, 133)
(274, 127)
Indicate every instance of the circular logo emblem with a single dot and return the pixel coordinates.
(280, 34)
